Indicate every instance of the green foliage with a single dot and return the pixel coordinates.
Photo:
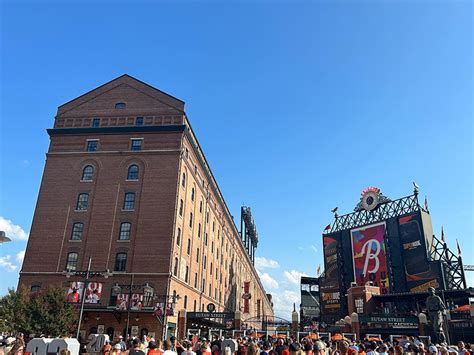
(45, 312)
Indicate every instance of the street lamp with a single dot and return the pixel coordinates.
(87, 275)
(4, 238)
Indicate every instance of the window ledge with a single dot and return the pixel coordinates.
(86, 180)
(80, 210)
(75, 240)
(132, 180)
(124, 210)
(123, 240)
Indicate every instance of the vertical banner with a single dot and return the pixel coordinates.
(136, 302)
(170, 309)
(369, 256)
(329, 288)
(93, 292)
(122, 302)
(419, 273)
(246, 296)
(75, 291)
(158, 310)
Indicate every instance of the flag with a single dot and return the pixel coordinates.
(318, 271)
(459, 248)
(328, 227)
(426, 204)
(442, 235)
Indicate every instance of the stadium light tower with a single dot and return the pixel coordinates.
(4, 238)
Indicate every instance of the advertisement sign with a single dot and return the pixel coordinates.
(369, 256)
(93, 292)
(420, 274)
(122, 302)
(74, 293)
(329, 289)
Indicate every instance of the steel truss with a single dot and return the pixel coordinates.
(383, 211)
(452, 264)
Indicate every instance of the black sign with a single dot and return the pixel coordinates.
(222, 315)
(211, 307)
(391, 321)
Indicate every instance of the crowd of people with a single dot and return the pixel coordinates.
(278, 346)
(258, 346)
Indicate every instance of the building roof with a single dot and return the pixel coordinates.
(133, 85)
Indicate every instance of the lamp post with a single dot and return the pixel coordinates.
(87, 275)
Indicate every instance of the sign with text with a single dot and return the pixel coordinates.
(369, 256)
(221, 315)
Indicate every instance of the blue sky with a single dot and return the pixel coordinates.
(297, 105)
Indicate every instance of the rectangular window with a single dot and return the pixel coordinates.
(136, 144)
(195, 280)
(181, 206)
(129, 201)
(120, 262)
(96, 123)
(178, 236)
(77, 231)
(92, 145)
(205, 262)
(125, 231)
(189, 247)
(82, 202)
(139, 121)
(190, 219)
(71, 262)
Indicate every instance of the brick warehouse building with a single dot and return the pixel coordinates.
(127, 185)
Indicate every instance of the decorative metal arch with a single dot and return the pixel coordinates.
(383, 211)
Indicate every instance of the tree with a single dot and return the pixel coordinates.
(45, 312)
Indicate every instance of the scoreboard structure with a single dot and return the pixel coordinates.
(385, 243)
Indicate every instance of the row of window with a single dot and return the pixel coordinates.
(96, 121)
(128, 201)
(88, 173)
(135, 144)
(120, 261)
(124, 232)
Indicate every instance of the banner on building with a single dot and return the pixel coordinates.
(369, 256)
(75, 291)
(136, 303)
(329, 289)
(122, 302)
(93, 292)
(246, 296)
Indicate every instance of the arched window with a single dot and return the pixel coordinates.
(82, 202)
(124, 233)
(189, 247)
(178, 236)
(71, 262)
(185, 305)
(132, 172)
(120, 105)
(183, 180)
(87, 173)
(77, 229)
(129, 201)
(192, 194)
(181, 206)
(186, 275)
(175, 270)
(120, 262)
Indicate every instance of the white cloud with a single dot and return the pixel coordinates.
(12, 231)
(268, 281)
(314, 248)
(264, 263)
(283, 302)
(7, 264)
(25, 162)
(20, 256)
(294, 276)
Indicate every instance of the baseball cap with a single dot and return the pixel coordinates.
(117, 346)
(433, 349)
